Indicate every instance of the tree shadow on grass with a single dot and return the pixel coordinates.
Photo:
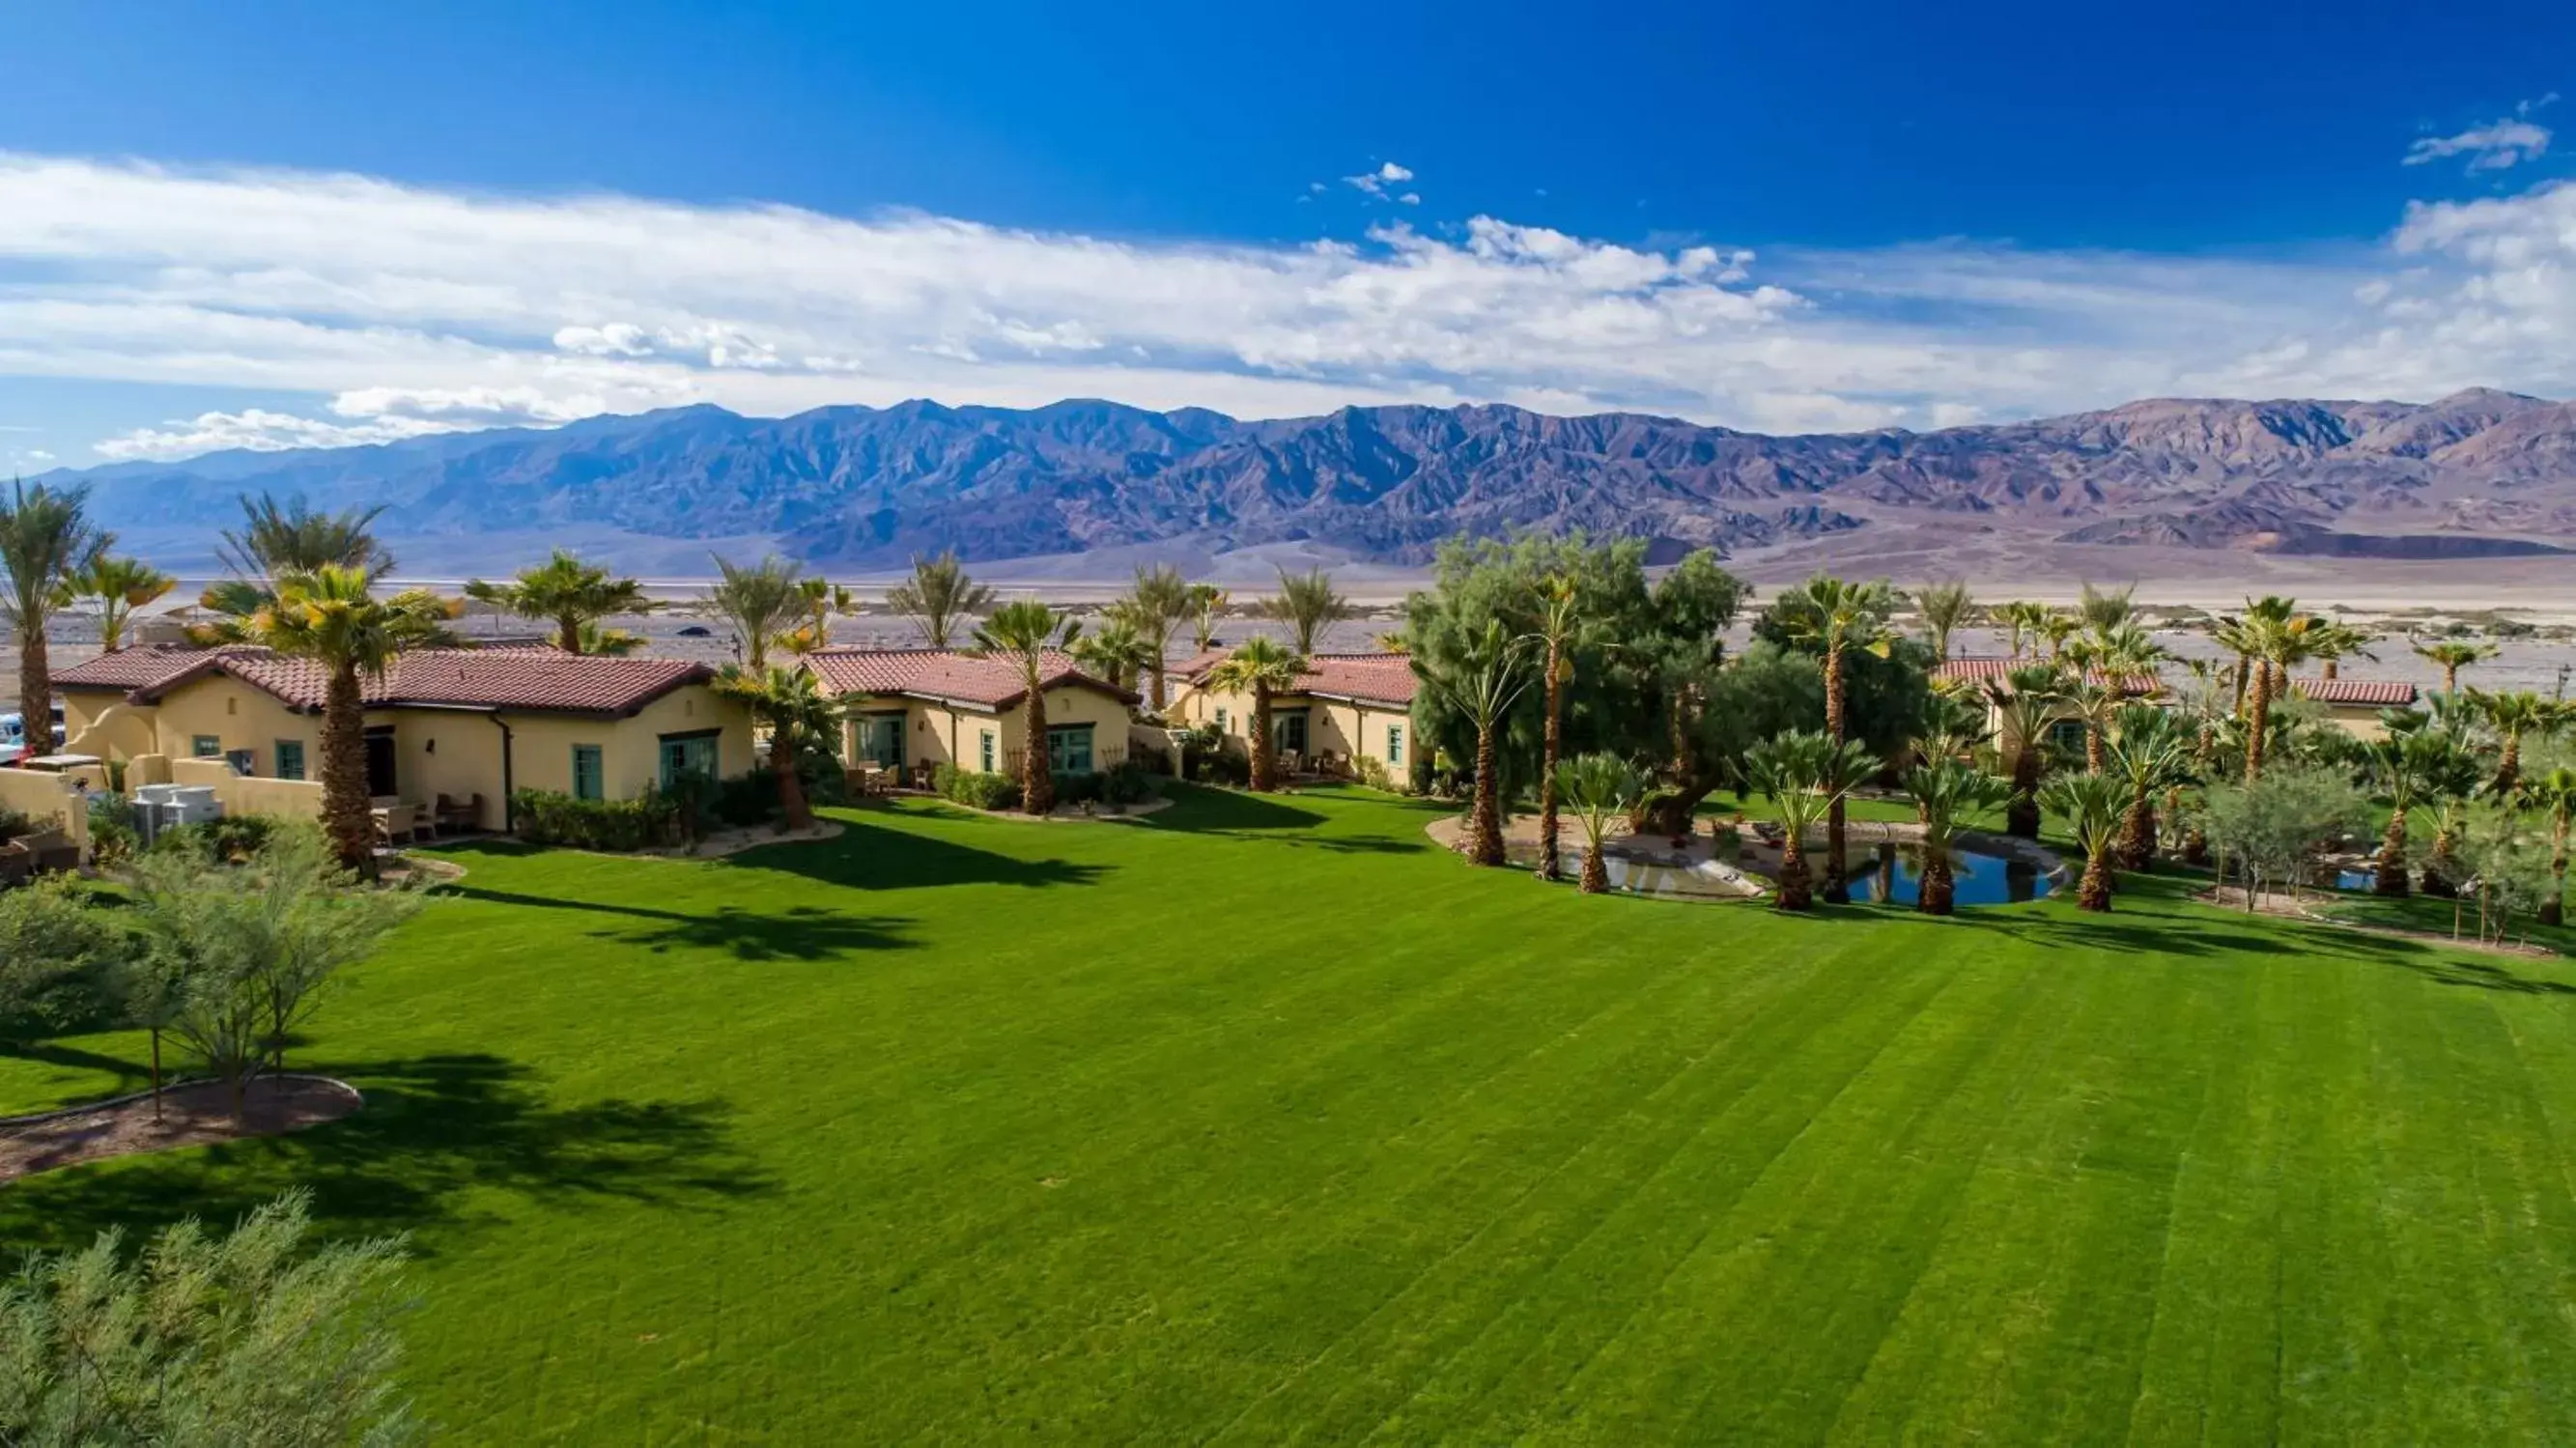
(1198, 810)
(130, 1075)
(434, 1130)
(2159, 934)
(800, 932)
(872, 857)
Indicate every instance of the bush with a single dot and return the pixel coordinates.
(746, 799)
(975, 788)
(620, 826)
(226, 841)
(1077, 788)
(13, 823)
(1129, 782)
(1222, 767)
(112, 836)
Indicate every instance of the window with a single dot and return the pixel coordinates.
(688, 754)
(1220, 721)
(290, 759)
(589, 780)
(1395, 746)
(985, 744)
(1069, 749)
(206, 746)
(245, 762)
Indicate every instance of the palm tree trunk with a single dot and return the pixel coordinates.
(568, 634)
(2508, 768)
(1486, 824)
(2390, 878)
(1547, 853)
(1794, 885)
(1265, 760)
(1158, 683)
(2437, 867)
(791, 781)
(2094, 891)
(347, 814)
(2244, 681)
(2021, 813)
(2095, 761)
(1937, 892)
(2258, 716)
(2330, 669)
(2138, 834)
(1594, 877)
(35, 687)
(156, 1073)
(1037, 782)
(2450, 678)
(2553, 911)
(1837, 890)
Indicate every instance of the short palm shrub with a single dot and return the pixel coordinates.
(545, 817)
(1128, 782)
(1596, 789)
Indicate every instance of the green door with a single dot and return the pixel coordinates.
(1290, 729)
(881, 740)
(687, 754)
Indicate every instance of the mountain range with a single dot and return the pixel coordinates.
(2474, 475)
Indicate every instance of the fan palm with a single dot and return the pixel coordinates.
(119, 586)
(1946, 608)
(762, 601)
(2025, 703)
(280, 538)
(1207, 604)
(1489, 676)
(1599, 788)
(2105, 609)
(1835, 616)
(1945, 792)
(1157, 603)
(331, 616)
(572, 595)
(2554, 794)
(2333, 643)
(46, 539)
(1262, 667)
(939, 596)
(1954, 724)
(1306, 603)
(2452, 774)
(2451, 656)
(1116, 650)
(2403, 761)
(2148, 753)
(2512, 716)
(2091, 804)
(1804, 774)
(2024, 622)
(791, 702)
(1559, 626)
(823, 600)
(1021, 634)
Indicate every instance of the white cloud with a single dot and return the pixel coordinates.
(1377, 183)
(2501, 143)
(408, 310)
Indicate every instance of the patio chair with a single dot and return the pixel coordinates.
(393, 824)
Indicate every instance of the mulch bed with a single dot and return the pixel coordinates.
(191, 1115)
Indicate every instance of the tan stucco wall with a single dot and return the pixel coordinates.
(105, 725)
(2357, 721)
(1332, 726)
(941, 734)
(44, 798)
(241, 717)
(241, 794)
(1107, 716)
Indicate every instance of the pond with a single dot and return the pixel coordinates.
(1893, 875)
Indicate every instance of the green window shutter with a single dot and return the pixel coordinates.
(589, 780)
(1069, 749)
(1394, 746)
(986, 743)
(1220, 721)
(290, 759)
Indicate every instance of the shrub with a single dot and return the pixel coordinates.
(547, 818)
(746, 799)
(1222, 767)
(112, 836)
(13, 823)
(226, 841)
(975, 788)
(1077, 788)
(1374, 773)
(1129, 782)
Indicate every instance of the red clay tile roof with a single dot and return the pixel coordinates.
(535, 680)
(1363, 678)
(1989, 669)
(1197, 664)
(2374, 693)
(944, 675)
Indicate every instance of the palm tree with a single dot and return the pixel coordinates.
(2148, 753)
(331, 616)
(280, 538)
(1804, 773)
(46, 539)
(1261, 667)
(2091, 804)
(1836, 616)
(2025, 702)
(939, 596)
(1306, 603)
(1393, 641)
(1207, 604)
(2058, 628)
(762, 601)
(1489, 677)
(572, 595)
(798, 712)
(2554, 793)
(2111, 657)
(1945, 792)
(1954, 724)
(2451, 656)
(2333, 643)
(2024, 624)
(1156, 604)
(2404, 761)
(823, 599)
(1946, 608)
(2104, 609)
(2268, 638)
(2512, 716)
(1599, 787)
(1022, 634)
(120, 586)
(1558, 627)
(1116, 650)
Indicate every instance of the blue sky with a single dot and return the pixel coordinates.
(1770, 216)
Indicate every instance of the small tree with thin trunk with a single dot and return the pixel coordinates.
(1945, 793)
(2092, 806)
(1804, 774)
(250, 1337)
(1488, 677)
(1262, 668)
(2275, 828)
(1599, 788)
(1022, 634)
(939, 596)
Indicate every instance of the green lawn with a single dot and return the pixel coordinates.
(1261, 1121)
